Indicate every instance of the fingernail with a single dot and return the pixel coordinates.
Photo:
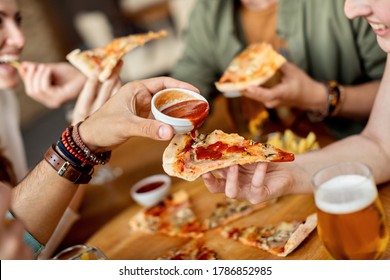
(164, 132)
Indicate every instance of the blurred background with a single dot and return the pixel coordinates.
(54, 28)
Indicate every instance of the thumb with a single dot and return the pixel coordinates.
(152, 129)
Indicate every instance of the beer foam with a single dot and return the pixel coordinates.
(345, 194)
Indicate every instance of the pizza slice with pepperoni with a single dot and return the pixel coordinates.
(188, 158)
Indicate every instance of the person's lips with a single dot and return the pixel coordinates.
(379, 28)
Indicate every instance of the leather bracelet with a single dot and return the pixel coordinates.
(65, 169)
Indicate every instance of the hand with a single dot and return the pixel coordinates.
(296, 89)
(12, 246)
(51, 84)
(126, 114)
(94, 94)
(257, 182)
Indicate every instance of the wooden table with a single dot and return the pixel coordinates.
(117, 241)
(107, 208)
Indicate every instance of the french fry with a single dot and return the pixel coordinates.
(290, 142)
(302, 146)
(310, 139)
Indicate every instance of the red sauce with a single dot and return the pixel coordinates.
(149, 187)
(216, 150)
(204, 153)
(194, 110)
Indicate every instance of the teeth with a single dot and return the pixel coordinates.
(377, 26)
(8, 58)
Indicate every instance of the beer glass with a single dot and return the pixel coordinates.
(351, 218)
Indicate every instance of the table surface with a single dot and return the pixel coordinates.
(117, 241)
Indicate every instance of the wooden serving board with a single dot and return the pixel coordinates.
(117, 241)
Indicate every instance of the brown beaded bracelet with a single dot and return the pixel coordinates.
(101, 158)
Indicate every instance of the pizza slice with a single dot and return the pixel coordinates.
(188, 158)
(279, 239)
(255, 65)
(172, 216)
(106, 58)
(232, 209)
(194, 250)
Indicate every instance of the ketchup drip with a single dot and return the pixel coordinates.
(194, 110)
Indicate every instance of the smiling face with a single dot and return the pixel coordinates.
(11, 42)
(377, 13)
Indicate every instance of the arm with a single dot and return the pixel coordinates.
(51, 84)
(42, 197)
(260, 182)
(299, 90)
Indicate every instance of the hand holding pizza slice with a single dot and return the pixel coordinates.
(254, 66)
(188, 158)
(106, 58)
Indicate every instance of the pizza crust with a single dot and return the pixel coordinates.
(239, 86)
(107, 57)
(254, 66)
(300, 234)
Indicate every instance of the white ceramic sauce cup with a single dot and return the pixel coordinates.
(151, 190)
(168, 97)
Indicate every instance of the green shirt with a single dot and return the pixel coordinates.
(320, 39)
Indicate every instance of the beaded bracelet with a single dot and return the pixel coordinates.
(101, 158)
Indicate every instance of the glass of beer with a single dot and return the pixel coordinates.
(351, 219)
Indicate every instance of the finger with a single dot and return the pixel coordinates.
(213, 184)
(259, 175)
(231, 189)
(85, 99)
(45, 80)
(117, 86)
(28, 79)
(150, 128)
(104, 93)
(36, 85)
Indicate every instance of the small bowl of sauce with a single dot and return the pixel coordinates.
(183, 109)
(151, 190)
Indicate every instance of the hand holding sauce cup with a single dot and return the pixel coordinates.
(351, 218)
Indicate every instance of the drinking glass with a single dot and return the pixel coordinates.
(351, 218)
(80, 252)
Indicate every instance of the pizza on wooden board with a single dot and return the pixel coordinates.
(172, 216)
(254, 66)
(187, 157)
(278, 239)
(232, 209)
(194, 250)
(106, 58)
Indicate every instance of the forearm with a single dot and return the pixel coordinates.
(355, 148)
(41, 199)
(359, 100)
